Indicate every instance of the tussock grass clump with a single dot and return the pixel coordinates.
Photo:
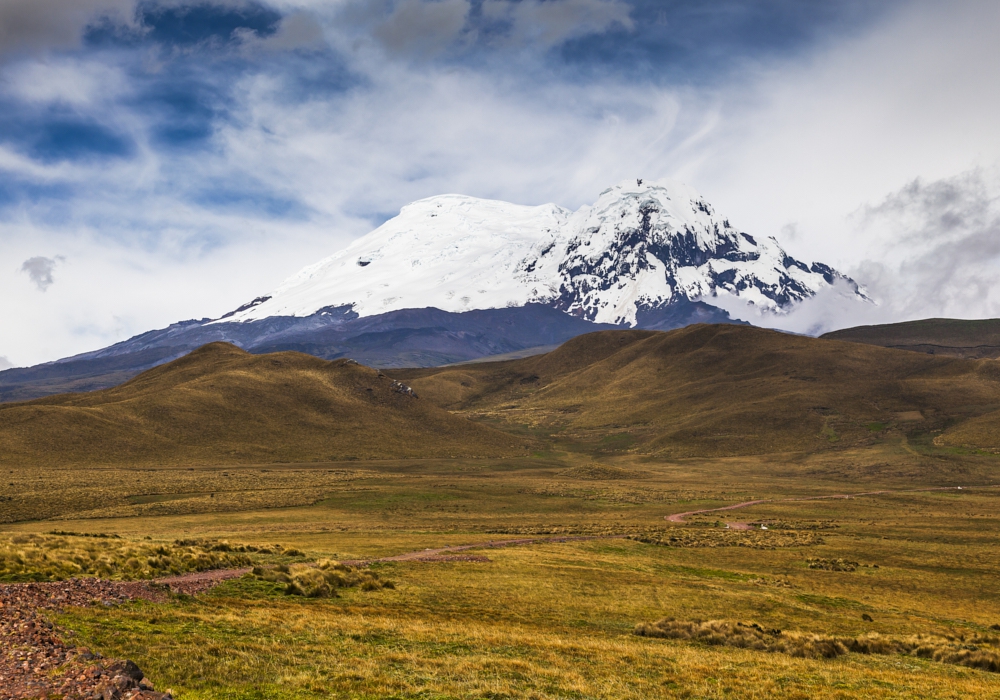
(322, 579)
(975, 651)
(837, 564)
(59, 557)
(598, 472)
(718, 537)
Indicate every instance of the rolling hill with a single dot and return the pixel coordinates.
(714, 390)
(221, 405)
(934, 336)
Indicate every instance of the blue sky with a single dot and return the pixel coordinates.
(169, 160)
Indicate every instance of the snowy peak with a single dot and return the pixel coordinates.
(643, 245)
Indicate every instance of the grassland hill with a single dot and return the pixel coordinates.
(718, 390)
(934, 336)
(221, 405)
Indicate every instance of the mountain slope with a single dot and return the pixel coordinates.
(220, 405)
(454, 278)
(718, 390)
(935, 336)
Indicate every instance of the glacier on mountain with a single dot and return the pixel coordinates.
(644, 245)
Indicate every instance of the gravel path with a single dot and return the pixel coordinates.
(35, 659)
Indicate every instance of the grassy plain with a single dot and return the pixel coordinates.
(618, 434)
(555, 620)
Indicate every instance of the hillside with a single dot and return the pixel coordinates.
(719, 390)
(220, 405)
(934, 336)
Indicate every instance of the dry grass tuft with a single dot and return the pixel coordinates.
(974, 651)
(59, 557)
(321, 580)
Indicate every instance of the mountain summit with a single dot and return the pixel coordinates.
(455, 278)
(642, 247)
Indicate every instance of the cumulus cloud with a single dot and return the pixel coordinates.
(39, 270)
(552, 22)
(5, 363)
(941, 246)
(38, 25)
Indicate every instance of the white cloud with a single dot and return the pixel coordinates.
(935, 253)
(811, 140)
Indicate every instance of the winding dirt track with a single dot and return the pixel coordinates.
(679, 517)
(199, 581)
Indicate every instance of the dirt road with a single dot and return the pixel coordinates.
(679, 517)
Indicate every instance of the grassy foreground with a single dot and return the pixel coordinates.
(555, 620)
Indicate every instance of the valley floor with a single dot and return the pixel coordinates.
(550, 618)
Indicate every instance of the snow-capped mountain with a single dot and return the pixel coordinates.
(454, 278)
(643, 245)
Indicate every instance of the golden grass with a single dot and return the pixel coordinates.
(32, 557)
(556, 620)
(546, 621)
